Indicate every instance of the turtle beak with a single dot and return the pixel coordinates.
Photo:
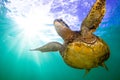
(60, 22)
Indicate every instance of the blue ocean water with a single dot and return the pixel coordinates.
(18, 63)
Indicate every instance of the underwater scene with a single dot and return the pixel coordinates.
(28, 24)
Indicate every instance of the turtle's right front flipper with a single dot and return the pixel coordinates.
(95, 16)
(52, 46)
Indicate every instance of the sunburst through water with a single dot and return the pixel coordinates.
(34, 24)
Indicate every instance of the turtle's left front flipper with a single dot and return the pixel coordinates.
(52, 46)
(95, 16)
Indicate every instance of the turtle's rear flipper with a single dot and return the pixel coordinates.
(86, 72)
(52, 46)
(104, 66)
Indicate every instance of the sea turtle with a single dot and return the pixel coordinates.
(81, 49)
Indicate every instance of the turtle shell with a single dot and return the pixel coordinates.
(79, 54)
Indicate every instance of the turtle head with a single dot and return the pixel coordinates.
(60, 22)
(63, 29)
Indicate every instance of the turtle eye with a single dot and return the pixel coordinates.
(60, 20)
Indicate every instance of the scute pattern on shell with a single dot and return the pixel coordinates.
(86, 56)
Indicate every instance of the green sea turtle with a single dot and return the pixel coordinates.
(81, 49)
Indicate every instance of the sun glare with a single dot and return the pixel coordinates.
(34, 20)
(35, 32)
(35, 26)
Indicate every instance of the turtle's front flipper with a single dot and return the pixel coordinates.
(93, 19)
(52, 46)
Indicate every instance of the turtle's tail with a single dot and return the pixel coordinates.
(86, 72)
(52, 46)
